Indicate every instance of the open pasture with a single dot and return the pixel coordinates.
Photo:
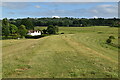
(81, 52)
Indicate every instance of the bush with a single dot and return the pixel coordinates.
(11, 37)
(44, 31)
(62, 33)
(111, 37)
(99, 32)
(108, 41)
(52, 29)
(16, 36)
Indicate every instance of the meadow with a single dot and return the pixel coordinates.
(81, 52)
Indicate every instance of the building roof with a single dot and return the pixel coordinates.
(32, 31)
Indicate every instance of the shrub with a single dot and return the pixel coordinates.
(62, 33)
(44, 31)
(22, 30)
(16, 36)
(99, 32)
(52, 29)
(108, 41)
(11, 37)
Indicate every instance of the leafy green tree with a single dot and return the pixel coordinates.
(44, 31)
(6, 31)
(5, 27)
(13, 29)
(56, 29)
(28, 23)
(52, 29)
(5, 22)
(115, 24)
(22, 30)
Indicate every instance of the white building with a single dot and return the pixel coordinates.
(34, 32)
(55, 17)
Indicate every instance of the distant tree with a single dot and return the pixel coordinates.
(115, 24)
(13, 29)
(22, 30)
(5, 27)
(52, 29)
(6, 31)
(28, 23)
(56, 29)
(0, 28)
(44, 31)
(73, 22)
(108, 41)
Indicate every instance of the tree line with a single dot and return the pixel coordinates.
(30, 23)
(9, 29)
(20, 27)
(13, 31)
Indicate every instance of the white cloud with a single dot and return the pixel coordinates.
(93, 12)
(105, 10)
(111, 9)
(37, 6)
(95, 17)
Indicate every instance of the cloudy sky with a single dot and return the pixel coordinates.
(62, 9)
(60, 0)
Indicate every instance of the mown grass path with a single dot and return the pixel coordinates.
(80, 55)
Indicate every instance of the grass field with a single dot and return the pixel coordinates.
(79, 53)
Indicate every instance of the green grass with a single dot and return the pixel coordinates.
(79, 53)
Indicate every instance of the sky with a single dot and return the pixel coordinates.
(60, 0)
(62, 9)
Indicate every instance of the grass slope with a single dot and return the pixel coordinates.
(80, 53)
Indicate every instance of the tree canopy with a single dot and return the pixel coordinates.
(66, 22)
(52, 29)
(22, 30)
(5, 27)
(13, 29)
